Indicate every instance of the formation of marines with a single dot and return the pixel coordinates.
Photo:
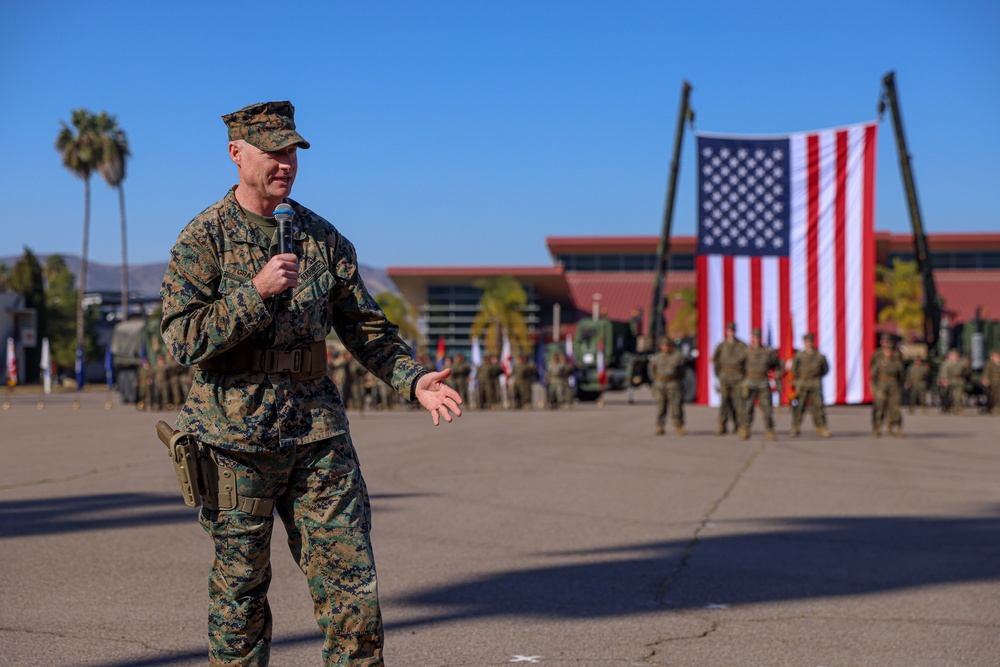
(747, 377)
(162, 384)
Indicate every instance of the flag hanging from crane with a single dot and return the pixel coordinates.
(786, 244)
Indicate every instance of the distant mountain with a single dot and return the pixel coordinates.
(147, 278)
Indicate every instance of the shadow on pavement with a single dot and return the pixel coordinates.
(202, 653)
(803, 559)
(70, 514)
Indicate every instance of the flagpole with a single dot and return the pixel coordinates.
(656, 321)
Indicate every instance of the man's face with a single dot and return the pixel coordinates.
(755, 340)
(808, 344)
(266, 176)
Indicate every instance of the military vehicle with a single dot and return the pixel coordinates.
(133, 341)
(613, 340)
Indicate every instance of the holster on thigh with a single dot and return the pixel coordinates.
(203, 481)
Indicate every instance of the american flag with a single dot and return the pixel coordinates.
(786, 244)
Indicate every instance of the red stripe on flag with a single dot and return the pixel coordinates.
(727, 287)
(787, 342)
(812, 234)
(756, 294)
(840, 249)
(701, 274)
(868, 250)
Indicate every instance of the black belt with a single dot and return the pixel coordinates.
(303, 363)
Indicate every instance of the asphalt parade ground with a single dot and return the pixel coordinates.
(550, 538)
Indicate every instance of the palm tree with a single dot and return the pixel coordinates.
(399, 313)
(901, 290)
(114, 155)
(81, 153)
(501, 311)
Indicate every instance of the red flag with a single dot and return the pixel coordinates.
(786, 244)
(602, 375)
(440, 353)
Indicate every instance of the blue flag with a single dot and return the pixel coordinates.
(79, 368)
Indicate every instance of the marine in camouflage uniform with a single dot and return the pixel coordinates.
(557, 373)
(887, 375)
(729, 362)
(524, 375)
(918, 377)
(951, 379)
(808, 368)
(262, 404)
(460, 372)
(761, 361)
(990, 379)
(665, 371)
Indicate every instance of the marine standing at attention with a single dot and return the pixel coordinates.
(665, 370)
(266, 414)
(887, 376)
(761, 362)
(808, 368)
(729, 362)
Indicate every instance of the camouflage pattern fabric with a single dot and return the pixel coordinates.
(760, 361)
(270, 126)
(729, 361)
(523, 378)
(666, 371)
(460, 372)
(952, 375)
(808, 369)
(887, 377)
(991, 374)
(918, 378)
(323, 503)
(210, 305)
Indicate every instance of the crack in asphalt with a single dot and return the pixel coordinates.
(705, 520)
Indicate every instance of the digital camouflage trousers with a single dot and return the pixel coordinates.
(323, 503)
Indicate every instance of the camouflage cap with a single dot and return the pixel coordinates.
(809, 336)
(270, 126)
(755, 332)
(731, 326)
(886, 338)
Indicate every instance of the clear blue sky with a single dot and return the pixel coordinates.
(458, 133)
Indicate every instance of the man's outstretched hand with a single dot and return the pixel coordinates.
(438, 398)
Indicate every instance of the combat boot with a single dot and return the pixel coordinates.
(823, 432)
(720, 430)
(794, 432)
(769, 434)
(877, 432)
(659, 429)
(679, 429)
(744, 433)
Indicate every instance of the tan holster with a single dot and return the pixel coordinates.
(202, 480)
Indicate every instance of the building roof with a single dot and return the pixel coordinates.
(964, 291)
(622, 294)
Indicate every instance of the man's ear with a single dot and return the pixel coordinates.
(234, 152)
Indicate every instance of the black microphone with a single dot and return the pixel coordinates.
(285, 217)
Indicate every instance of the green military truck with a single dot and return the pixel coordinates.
(617, 341)
(131, 341)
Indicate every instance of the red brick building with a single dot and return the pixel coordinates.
(616, 273)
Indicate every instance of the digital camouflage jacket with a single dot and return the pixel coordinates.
(210, 305)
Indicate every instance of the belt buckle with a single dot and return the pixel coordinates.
(270, 361)
(296, 361)
(282, 361)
